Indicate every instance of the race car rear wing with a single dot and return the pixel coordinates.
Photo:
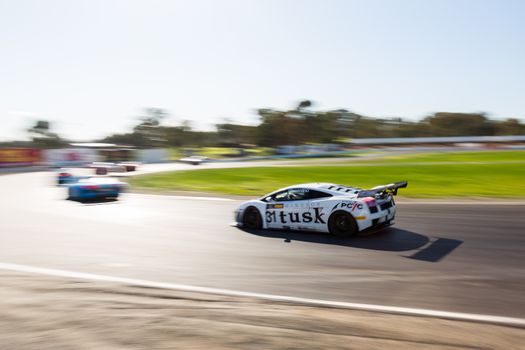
(383, 189)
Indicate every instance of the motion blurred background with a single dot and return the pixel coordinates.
(163, 80)
(214, 102)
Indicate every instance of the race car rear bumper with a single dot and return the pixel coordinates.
(85, 195)
(379, 219)
(377, 227)
(93, 194)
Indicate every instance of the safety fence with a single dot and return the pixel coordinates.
(16, 157)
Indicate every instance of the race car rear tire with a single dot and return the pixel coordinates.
(342, 224)
(72, 194)
(252, 218)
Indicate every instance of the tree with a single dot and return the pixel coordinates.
(284, 127)
(149, 132)
(459, 124)
(42, 136)
(510, 127)
(235, 135)
(304, 104)
(279, 128)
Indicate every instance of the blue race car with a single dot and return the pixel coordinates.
(65, 177)
(95, 188)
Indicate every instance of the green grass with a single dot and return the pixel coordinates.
(480, 156)
(174, 153)
(447, 157)
(431, 180)
(220, 152)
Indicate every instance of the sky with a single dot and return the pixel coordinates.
(91, 67)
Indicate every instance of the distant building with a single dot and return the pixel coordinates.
(398, 141)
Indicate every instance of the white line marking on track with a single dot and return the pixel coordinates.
(510, 321)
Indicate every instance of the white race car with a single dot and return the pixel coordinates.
(322, 207)
(103, 168)
(194, 160)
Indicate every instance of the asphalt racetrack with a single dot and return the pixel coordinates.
(452, 257)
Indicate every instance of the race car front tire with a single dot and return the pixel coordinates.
(342, 224)
(251, 218)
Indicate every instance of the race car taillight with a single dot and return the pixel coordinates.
(64, 174)
(371, 203)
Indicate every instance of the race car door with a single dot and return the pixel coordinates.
(297, 214)
(292, 210)
(304, 209)
(274, 215)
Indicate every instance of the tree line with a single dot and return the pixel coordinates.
(300, 125)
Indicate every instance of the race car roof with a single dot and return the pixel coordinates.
(327, 187)
(99, 180)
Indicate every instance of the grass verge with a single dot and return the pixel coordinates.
(220, 152)
(500, 174)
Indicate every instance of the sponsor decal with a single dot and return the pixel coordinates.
(316, 217)
(352, 205)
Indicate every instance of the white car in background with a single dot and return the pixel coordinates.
(194, 160)
(129, 165)
(321, 207)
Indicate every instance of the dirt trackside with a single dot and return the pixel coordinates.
(41, 313)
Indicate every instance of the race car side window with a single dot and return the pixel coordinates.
(288, 195)
(313, 194)
(280, 196)
(298, 194)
